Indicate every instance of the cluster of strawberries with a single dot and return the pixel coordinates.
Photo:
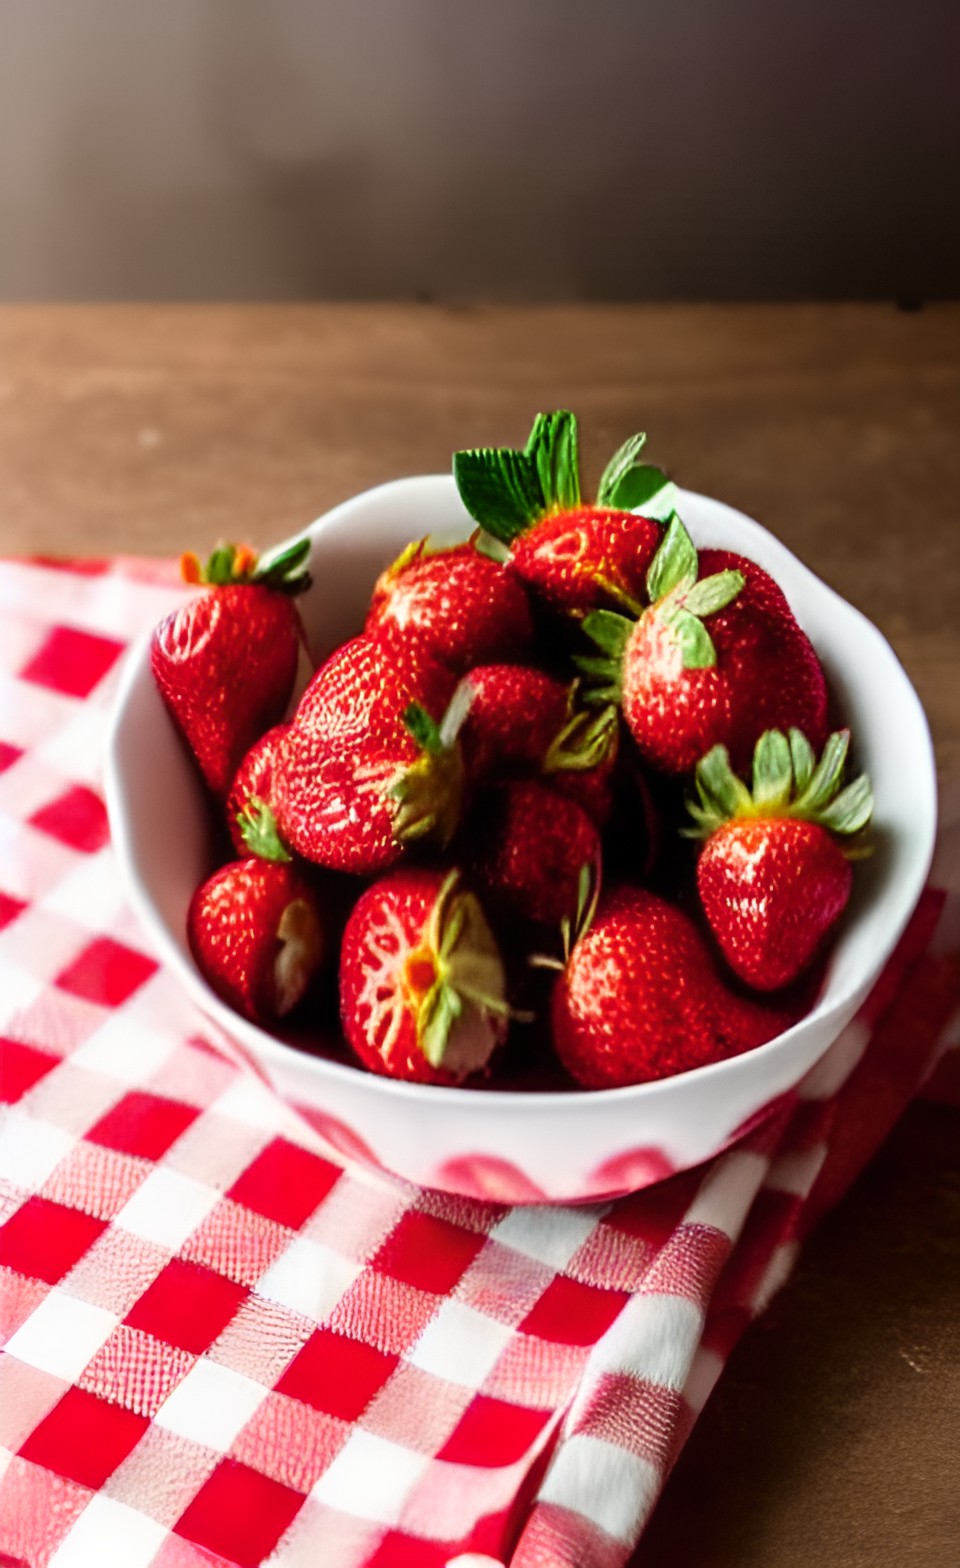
(501, 771)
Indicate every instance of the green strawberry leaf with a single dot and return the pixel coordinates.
(219, 568)
(258, 828)
(826, 776)
(675, 564)
(851, 810)
(696, 644)
(500, 489)
(493, 549)
(772, 772)
(553, 449)
(713, 593)
(722, 794)
(624, 461)
(424, 729)
(609, 631)
(284, 567)
(802, 758)
(440, 1011)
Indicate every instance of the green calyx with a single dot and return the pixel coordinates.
(585, 741)
(456, 984)
(610, 632)
(507, 490)
(788, 782)
(283, 569)
(571, 931)
(258, 828)
(682, 600)
(429, 792)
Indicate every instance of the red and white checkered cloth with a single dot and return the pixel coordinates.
(223, 1348)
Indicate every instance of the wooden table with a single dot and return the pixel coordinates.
(834, 1435)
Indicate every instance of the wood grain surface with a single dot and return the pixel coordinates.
(834, 1435)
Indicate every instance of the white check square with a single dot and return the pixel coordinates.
(551, 1236)
(167, 1208)
(62, 1335)
(211, 1405)
(309, 1278)
(109, 1534)
(371, 1477)
(30, 1149)
(460, 1344)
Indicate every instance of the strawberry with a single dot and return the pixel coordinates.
(772, 877)
(422, 990)
(456, 604)
(639, 998)
(253, 786)
(573, 556)
(225, 663)
(257, 935)
(685, 688)
(521, 720)
(365, 767)
(525, 849)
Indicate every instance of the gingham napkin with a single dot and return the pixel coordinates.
(223, 1347)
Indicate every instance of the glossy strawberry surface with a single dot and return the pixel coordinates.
(225, 665)
(641, 998)
(526, 846)
(515, 713)
(256, 932)
(771, 889)
(766, 676)
(457, 604)
(389, 963)
(345, 748)
(254, 780)
(568, 556)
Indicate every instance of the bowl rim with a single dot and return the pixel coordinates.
(253, 1041)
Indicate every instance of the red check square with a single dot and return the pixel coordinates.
(240, 1514)
(143, 1124)
(106, 972)
(285, 1183)
(21, 1066)
(336, 1374)
(399, 1550)
(84, 1438)
(44, 1240)
(10, 908)
(77, 818)
(72, 661)
(428, 1252)
(8, 754)
(573, 1314)
(187, 1305)
(493, 1432)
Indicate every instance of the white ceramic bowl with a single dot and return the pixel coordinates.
(511, 1145)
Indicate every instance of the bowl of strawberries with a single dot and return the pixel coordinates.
(531, 848)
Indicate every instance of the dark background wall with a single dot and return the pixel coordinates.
(503, 149)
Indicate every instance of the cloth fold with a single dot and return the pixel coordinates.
(223, 1344)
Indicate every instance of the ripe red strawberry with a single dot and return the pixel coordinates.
(225, 663)
(525, 847)
(574, 556)
(366, 765)
(257, 935)
(253, 782)
(771, 875)
(523, 721)
(422, 989)
(685, 688)
(456, 604)
(640, 998)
